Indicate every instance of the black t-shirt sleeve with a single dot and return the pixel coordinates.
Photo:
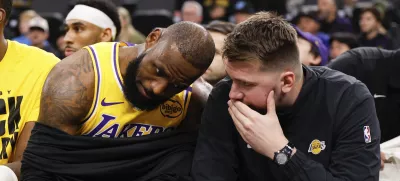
(356, 136)
(215, 158)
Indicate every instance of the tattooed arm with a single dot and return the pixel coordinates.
(68, 93)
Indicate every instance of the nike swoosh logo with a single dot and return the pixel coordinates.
(379, 96)
(104, 103)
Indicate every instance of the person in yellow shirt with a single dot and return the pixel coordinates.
(23, 71)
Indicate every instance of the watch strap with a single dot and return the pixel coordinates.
(287, 150)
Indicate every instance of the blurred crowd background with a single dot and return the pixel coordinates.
(340, 24)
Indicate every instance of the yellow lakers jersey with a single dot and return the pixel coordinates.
(111, 115)
(23, 71)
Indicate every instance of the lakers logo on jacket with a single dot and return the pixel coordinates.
(316, 147)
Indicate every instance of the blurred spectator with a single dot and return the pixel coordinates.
(331, 22)
(192, 11)
(61, 46)
(218, 30)
(90, 22)
(311, 49)
(373, 33)
(391, 20)
(23, 27)
(349, 6)
(38, 32)
(308, 22)
(341, 42)
(216, 10)
(243, 10)
(128, 32)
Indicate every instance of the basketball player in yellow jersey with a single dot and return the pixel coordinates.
(23, 70)
(109, 91)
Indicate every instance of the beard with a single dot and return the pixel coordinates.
(131, 90)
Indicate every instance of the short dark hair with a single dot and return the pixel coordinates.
(344, 37)
(220, 27)
(265, 37)
(193, 41)
(107, 7)
(374, 12)
(7, 6)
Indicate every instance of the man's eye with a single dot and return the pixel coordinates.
(243, 83)
(160, 73)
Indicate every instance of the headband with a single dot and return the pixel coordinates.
(92, 15)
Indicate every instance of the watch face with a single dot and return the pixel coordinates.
(281, 158)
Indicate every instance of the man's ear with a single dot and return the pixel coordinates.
(288, 79)
(3, 16)
(106, 36)
(316, 60)
(153, 37)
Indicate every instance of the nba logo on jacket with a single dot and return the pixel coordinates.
(367, 134)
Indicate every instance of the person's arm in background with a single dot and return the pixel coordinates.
(15, 162)
(360, 62)
(215, 158)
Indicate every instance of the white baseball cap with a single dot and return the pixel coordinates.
(39, 22)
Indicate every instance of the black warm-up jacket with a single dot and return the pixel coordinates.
(333, 125)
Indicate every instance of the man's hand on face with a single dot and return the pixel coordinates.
(262, 132)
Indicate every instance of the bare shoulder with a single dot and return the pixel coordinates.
(68, 93)
(201, 91)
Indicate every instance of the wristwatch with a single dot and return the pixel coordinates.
(283, 156)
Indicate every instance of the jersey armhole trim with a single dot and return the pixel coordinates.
(96, 68)
(115, 65)
(187, 94)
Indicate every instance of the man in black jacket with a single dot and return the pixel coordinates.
(378, 69)
(275, 119)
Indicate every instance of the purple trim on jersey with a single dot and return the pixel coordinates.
(98, 83)
(129, 44)
(189, 89)
(115, 64)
